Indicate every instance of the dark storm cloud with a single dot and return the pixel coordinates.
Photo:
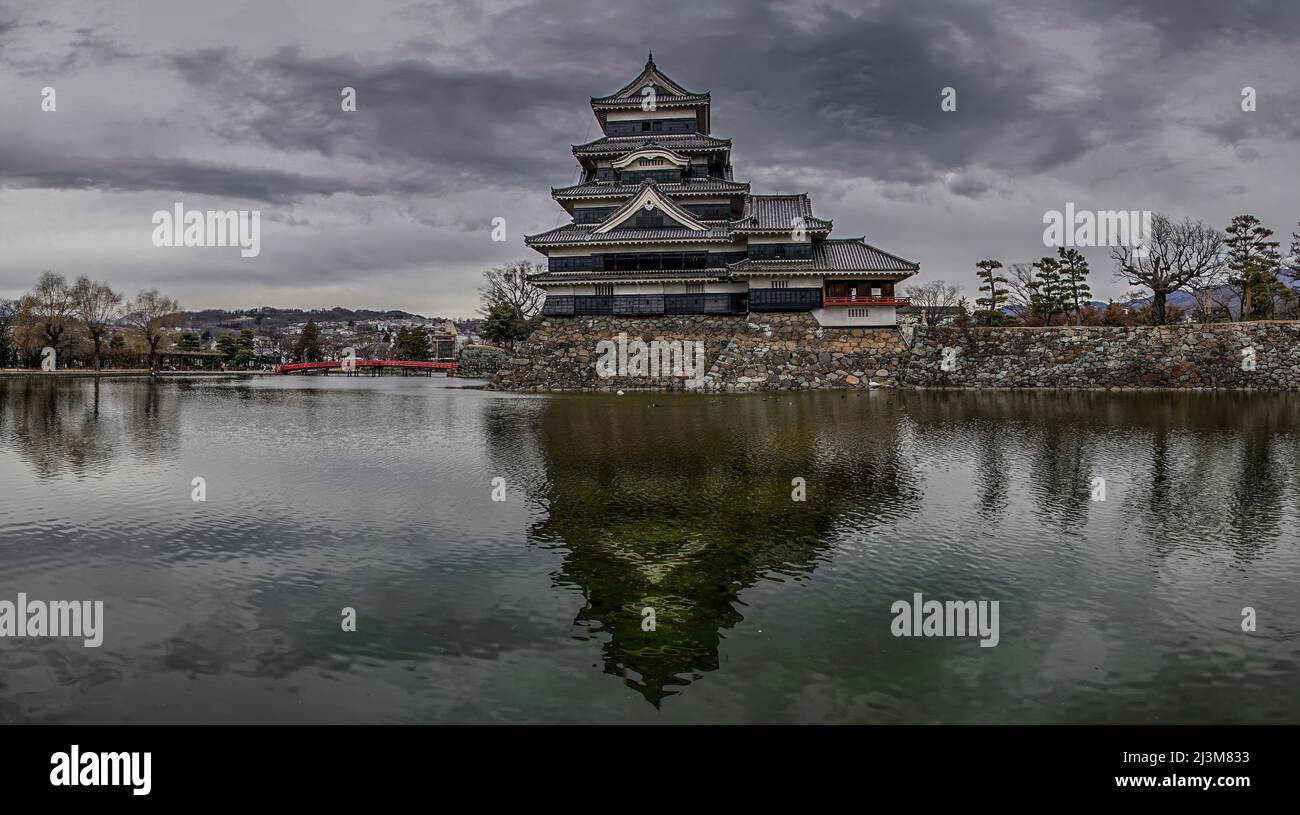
(145, 174)
(450, 128)
(467, 108)
(853, 90)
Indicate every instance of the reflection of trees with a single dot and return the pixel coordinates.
(70, 425)
(1190, 470)
(1213, 478)
(156, 421)
(1255, 501)
(55, 426)
(1049, 438)
(1061, 473)
(679, 503)
(991, 470)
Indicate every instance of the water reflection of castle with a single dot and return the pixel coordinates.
(695, 507)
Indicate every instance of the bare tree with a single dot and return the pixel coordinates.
(1020, 289)
(1212, 294)
(8, 311)
(152, 314)
(1179, 255)
(509, 284)
(96, 305)
(47, 309)
(933, 299)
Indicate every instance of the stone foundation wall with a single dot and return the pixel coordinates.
(742, 353)
(790, 351)
(1181, 356)
(480, 361)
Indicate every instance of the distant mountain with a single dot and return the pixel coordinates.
(266, 317)
(1179, 298)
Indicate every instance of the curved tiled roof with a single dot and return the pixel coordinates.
(675, 275)
(777, 213)
(650, 73)
(717, 231)
(613, 145)
(832, 255)
(661, 100)
(605, 189)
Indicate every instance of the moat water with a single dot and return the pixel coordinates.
(377, 495)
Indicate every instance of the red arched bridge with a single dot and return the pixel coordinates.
(377, 364)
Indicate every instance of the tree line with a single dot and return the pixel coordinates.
(1235, 274)
(86, 320)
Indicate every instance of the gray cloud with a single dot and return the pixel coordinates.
(466, 111)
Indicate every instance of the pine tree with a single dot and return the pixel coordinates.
(307, 349)
(1073, 286)
(990, 306)
(1046, 296)
(1295, 252)
(505, 325)
(226, 345)
(1253, 262)
(412, 344)
(189, 341)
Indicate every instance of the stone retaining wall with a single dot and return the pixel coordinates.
(1216, 356)
(791, 351)
(480, 361)
(742, 353)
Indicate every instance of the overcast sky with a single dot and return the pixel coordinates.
(466, 112)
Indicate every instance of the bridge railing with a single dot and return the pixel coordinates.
(290, 367)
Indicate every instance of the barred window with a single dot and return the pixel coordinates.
(605, 289)
(695, 288)
(780, 284)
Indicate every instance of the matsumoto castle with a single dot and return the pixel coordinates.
(661, 227)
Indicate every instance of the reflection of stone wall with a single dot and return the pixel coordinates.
(792, 352)
(1182, 356)
(480, 361)
(743, 353)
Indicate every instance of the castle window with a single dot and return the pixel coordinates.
(606, 289)
(780, 284)
(695, 288)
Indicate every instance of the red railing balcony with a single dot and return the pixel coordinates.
(866, 301)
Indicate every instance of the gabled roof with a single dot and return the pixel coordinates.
(833, 255)
(606, 189)
(679, 143)
(631, 92)
(649, 198)
(779, 213)
(668, 94)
